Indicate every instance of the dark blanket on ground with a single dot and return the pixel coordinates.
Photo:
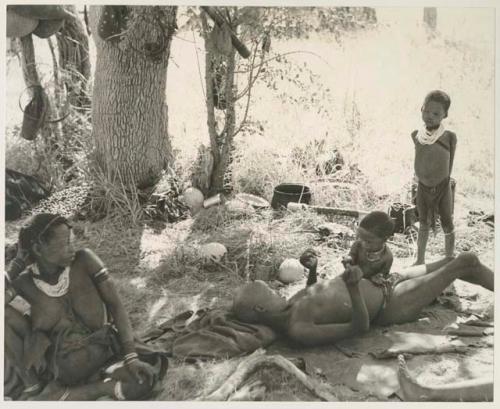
(208, 334)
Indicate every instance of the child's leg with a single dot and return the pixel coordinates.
(423, 229)
(445, 213)
(422, 238)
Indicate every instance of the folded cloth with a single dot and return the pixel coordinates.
(209, 334)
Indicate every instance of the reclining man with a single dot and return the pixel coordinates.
(346, 305)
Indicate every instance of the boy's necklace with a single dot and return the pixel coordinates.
(426, 137)
(375, 255)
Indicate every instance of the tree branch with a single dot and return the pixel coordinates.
(210, 90)
(259, 360)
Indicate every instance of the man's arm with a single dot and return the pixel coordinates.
(309, 259)
(311, 334)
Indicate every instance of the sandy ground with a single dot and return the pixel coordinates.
(158, 273)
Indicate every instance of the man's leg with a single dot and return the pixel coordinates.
(474, 390)
(410, 296)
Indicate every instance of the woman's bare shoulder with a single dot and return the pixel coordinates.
(89, 259)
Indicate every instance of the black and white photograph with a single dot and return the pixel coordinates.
(248, 201)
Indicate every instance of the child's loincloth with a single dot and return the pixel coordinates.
(429, 199)
(386, 283)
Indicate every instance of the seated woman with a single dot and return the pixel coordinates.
(346, 305)
(77, 326)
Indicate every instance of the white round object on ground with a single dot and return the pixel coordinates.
(213, 252)
(291, 270)
(193, 199)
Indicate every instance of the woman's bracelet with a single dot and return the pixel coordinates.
(131, 357)
(19, 263)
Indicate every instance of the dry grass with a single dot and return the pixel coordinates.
(159, 272)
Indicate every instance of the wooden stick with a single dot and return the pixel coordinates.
(326, 210)
(258, 360)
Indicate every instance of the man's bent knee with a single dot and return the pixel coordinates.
(468, 258)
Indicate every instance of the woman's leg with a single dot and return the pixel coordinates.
(410, 296)
(474, 390)
(92, 391)
(127, 388)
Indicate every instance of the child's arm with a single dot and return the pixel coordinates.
(453, 148)
(387, 264)
(414, 136)
(384, 268)
(354, 253)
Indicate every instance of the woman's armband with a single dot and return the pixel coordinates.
(100, 276)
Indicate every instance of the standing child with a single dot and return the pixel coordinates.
(434, 153)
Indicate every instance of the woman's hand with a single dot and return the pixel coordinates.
(141, 371)
(352, 275)
(309, 259)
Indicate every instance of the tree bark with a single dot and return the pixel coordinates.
(129, 112)
(221, 143)
(73, 46)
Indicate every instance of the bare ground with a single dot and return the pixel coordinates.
(159, 273)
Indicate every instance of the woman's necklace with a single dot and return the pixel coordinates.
(52, 290)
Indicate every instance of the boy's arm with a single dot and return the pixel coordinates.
(354, 253)
(453, 148)
(387, 264)
(414, 136)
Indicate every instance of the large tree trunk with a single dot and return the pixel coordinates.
(74, 61)
(129, 112)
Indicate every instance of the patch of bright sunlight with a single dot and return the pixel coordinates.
(138, 282)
